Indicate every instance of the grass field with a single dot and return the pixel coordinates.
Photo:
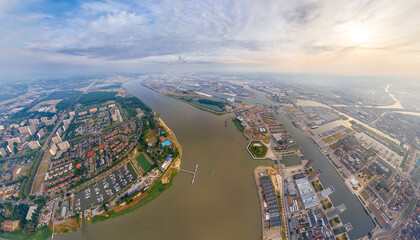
(72, 224)
(238, 124)
(335, 221)
(42, 169)
(317, 186)
(328, 140)
(365, 195)
(143, 162)
(342, 237)
(291, 160)
(335, 145)
(150, 137)
(367, 173)
(258, 149)
(326, 203)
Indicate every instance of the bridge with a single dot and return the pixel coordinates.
(191, 172)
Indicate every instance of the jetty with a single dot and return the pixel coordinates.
(190, 172)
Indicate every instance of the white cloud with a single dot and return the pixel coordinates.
(280, 34)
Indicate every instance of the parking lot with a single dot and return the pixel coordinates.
(104, 189)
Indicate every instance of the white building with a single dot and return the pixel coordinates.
(53, 149)
(63, 145)
(33, 122)
(30, 212)
(3, 152)
(56, 139)
(13, 140)
(28, 129)
(34, 144)
(40, 133)
(306, 193)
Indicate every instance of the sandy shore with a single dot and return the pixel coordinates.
(177, 161)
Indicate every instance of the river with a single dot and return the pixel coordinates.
(221, 204)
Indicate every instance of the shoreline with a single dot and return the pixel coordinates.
(192, 104)
(165, 180)
(197, 106)
(166, 177)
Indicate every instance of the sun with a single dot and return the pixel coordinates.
(360, 36)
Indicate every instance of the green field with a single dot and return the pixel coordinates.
(317, 186)
(258, 149)
(335, 145)
(365, 195)
(143, 162)
(326, 203)
(238, 124)
(335, 221)
(291, 160)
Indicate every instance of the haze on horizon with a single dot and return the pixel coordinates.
(305, 36)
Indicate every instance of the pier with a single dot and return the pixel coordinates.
(191, 172)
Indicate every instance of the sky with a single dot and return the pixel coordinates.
(355, 37)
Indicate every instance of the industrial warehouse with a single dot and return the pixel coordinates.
(272, 214)
(306, 192)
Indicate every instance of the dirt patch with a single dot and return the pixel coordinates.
(135, 199)
(22, 172)
(150, 137)
(167, 176)
(43, 168)
(72, 224)
(46, 106)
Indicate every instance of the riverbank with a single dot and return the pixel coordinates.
(196, 105)
(160, 185)
(267, 233)
(130, 199)
(177, 161)
(182, 100)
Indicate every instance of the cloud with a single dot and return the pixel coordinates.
(279, 34)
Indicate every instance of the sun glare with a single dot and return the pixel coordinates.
(360, 36)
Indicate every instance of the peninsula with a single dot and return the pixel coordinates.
(85, 156)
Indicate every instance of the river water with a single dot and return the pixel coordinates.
(223, 202)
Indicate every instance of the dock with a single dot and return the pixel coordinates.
(190, 172)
